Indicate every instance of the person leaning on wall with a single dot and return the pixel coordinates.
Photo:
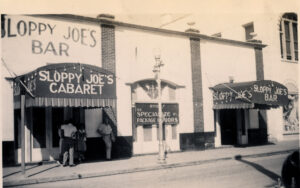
(108, 137)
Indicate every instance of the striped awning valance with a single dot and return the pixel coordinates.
(64, 102)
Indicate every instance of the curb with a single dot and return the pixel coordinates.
(133, 170)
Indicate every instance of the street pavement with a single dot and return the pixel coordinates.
(52, 172)
(256, 172)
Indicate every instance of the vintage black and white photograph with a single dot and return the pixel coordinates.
(150, 94)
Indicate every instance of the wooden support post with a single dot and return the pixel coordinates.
(23, 134)
(218, 142)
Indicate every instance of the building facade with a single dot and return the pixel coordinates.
(279, 30)
(84, 68)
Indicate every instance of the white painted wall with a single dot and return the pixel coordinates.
(275, 124)
(266, 26)
(6, 103)
(135, 61)
(85, 50)
(253, 116)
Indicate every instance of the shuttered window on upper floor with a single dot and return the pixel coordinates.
(289, 37)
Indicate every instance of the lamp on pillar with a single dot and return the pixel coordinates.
(156, 70)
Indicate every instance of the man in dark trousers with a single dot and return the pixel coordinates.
(61, 146)
(108, 137)
(68, 143)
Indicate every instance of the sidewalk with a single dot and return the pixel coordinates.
(53, 172)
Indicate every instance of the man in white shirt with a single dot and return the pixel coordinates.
(68, 143)
(106, 132)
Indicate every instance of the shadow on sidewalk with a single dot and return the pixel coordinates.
(259, 168)
(43, 170)
(19, 171)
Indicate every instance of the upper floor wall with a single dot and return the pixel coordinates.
(281, 56)
(262, 24)
(30, 42)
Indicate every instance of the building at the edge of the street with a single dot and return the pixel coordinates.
(279, 30)
(214, 90)
(281, 62)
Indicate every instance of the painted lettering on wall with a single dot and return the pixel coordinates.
(59, 49)
(68, 37)
(83, 36)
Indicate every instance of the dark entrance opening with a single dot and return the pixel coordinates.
(228, 127)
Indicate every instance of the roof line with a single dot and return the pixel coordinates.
(255, 44)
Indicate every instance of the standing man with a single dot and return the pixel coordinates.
(68, 143)
(81, 142)
(61, 146)
(108, 137)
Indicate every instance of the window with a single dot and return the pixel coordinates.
(249, 31)
(147, 133)
(174, 132)
(289, 37)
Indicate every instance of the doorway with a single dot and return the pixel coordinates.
(45, 125)
(242, 126)
(228, 127)
(41, 131)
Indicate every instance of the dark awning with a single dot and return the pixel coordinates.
(255, 94)
(67, 84)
